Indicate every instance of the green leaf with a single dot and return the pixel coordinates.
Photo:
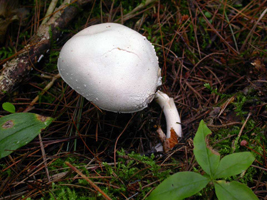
(208, 14)
(18, 129)
(207, 158)
(234, 164)
(9, 107)
(179, 186)
(233, 191)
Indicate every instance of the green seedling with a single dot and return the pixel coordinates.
(185, 184)
(9, 107)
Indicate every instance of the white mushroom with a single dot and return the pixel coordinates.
(117, 69)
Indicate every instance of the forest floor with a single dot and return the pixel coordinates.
(213, 56)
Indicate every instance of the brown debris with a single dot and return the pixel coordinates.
(168, 143)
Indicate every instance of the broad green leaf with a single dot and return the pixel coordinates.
(233, 191)
(179, 186)
(234, 164)
(207, 158)
(9, 107)
(18, 129)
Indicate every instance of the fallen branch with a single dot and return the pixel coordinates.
(15, 70)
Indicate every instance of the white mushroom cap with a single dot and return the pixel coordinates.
(112, 66)
(117, 69)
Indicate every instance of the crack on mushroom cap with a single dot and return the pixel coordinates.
(120, 49)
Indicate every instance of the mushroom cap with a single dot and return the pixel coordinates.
(112, 66)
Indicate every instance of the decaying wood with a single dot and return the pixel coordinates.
(15, 70)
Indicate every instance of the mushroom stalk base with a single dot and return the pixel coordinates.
(173, 120)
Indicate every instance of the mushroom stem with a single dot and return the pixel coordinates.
(173, 120)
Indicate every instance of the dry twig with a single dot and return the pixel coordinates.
(89, 181)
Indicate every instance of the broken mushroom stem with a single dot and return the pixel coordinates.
(172, 117)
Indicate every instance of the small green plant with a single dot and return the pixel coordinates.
(64, 192)
(6, 52)
(215, 91)
(185, 184)
(9, 107)
(131, 169)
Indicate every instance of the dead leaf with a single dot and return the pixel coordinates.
(168, 143)
(259, 65)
